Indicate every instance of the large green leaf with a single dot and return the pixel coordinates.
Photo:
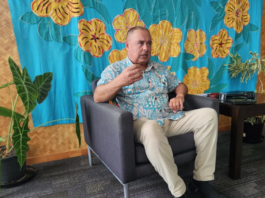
(184, 67)
(56, 32)
(182, 15)
(195, 16)
(89, 75)
(43, 85)
(246, 35)
(79, 54)
(71, 40)
(219, 74)
(8, 113)
(210, 67)
(180, 62)
(198, 2)
(163, 11)
(77, 125)
(30, 18)
(238, 35)
(236, 48)
(20, 139)
(26, 90)
(216, 6)
(88, 58)
(252, 28)
(6, 85)
(44, 29)
(99, 7)
(223, 2)
(216, 19)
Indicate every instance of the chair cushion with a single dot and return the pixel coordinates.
(179, 144)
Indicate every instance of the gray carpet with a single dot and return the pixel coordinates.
(74, 178)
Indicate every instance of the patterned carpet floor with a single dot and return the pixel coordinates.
(74, 178)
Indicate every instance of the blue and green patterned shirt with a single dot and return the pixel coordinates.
(147, 97)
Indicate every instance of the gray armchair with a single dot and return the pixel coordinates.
(108, 132)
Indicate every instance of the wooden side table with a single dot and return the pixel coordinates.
(238, 113)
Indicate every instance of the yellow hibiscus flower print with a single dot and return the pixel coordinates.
(117, 55)
(196, 80)
(122, 23)
(165, 40)
(93, 37)
(221, 44)
(195, 43)
(236, 14)
(60, 11)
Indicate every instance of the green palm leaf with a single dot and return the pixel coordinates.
(43, 85)
(8, 113)
(20, 139)
(25, 88)
(6, 85)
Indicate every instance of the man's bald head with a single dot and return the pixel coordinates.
(131, 31)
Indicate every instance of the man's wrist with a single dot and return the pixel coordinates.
(180, 95)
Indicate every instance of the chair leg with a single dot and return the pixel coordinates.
(126, 190)
(89, 156)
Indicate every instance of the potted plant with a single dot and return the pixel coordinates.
(13, 153)
(253, 127)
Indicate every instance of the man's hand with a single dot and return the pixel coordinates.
(176, 103)
(130, 75)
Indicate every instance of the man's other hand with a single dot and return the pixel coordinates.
(131, 74)
(176, 104)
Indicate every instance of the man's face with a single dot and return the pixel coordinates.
(138, 46)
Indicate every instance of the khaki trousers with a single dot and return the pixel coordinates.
(203, 122)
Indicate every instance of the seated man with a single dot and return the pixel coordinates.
(141, 87)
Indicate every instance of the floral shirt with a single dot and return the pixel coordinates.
(147, 97)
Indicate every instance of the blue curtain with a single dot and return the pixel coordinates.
(78, 39)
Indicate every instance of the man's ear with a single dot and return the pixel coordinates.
(126, 45)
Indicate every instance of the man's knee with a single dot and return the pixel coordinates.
(209, 114)
(151, 131)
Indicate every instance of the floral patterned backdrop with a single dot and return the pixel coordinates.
(77, 39)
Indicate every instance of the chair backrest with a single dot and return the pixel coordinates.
(94, 85)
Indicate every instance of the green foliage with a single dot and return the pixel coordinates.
(20, 139)
(247, 69)
(30, 93)
(255, 119)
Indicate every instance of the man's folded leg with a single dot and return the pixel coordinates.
(159, 153)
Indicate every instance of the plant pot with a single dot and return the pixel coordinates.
(253, 133)
(11, 171)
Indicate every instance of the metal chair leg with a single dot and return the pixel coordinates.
(126, 190)
(89, 156)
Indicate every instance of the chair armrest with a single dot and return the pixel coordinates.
(108, 131)
(196, 102)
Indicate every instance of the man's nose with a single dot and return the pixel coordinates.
(145, 47)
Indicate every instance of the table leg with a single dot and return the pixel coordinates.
(236, 144)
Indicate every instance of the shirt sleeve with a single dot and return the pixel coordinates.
(107, 75)
(172, 81)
